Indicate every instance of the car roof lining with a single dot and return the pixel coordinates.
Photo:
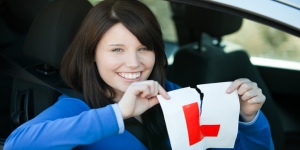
(242, 13)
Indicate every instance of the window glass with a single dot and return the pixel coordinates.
(162, 11)
(257, 39)
(94, 2)
(264, 41)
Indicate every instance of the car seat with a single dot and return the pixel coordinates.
(15, 18)
(48, 38)
(206, 58)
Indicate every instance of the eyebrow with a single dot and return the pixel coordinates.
(116, 45)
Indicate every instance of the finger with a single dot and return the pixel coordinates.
(152, 88)
(153, 101)
(153, 85)
(163, 92)
(156, 88)
(251, 93)
(258, 99)
(145, 88)
(247, 86)
(144, 91)
(237, 83)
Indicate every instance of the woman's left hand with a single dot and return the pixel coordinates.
(251, 97)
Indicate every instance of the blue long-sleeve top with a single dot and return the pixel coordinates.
(70, 123)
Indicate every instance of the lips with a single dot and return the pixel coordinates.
(130, 76)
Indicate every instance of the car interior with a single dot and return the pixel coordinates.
(35, 37)
(209, 63)
(207, 59)
(46, 41)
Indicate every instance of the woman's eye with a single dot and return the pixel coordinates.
(117, 50)
(144, 49)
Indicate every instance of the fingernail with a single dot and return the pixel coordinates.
(228, 90)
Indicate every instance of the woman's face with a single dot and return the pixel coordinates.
(121, 59)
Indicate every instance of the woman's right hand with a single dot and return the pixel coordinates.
(139, 97)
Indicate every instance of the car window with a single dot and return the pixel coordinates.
(263, 43)
(162, 11)
(266, 42)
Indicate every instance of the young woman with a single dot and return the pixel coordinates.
(117, 62)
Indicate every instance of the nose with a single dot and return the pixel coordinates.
(132, 60)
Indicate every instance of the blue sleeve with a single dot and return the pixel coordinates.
(254, 135)
(66, 124)
(171, 86)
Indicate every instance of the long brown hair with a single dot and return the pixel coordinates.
(79, 71)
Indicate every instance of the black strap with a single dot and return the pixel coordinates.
(10, 68)
(137, 129)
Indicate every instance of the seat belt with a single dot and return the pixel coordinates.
(10, 68)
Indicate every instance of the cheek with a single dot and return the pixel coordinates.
(148, 63)
(107, 67)
(105, 64)
(152, 62)
(149, 60)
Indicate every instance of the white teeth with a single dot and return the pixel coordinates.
(130, 75)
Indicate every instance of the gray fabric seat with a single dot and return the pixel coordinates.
(48, 38)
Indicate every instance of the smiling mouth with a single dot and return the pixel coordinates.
(130, 76)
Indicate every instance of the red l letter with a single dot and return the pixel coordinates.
(195, 131)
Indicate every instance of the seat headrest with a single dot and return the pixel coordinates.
(20, 14)
(212, 22)
(54, 29)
